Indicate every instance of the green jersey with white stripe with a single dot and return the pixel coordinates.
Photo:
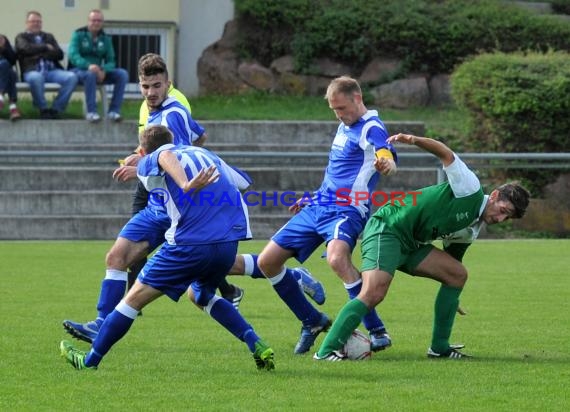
(448, 211)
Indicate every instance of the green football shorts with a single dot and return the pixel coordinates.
(382, 249)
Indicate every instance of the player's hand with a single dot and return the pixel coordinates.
(461, 311)
(132, 160)
(202, 179)
(299, 204)
(402, 138)
(386, 167)
(125, 173)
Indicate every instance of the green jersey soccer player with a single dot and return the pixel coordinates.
(399, 236)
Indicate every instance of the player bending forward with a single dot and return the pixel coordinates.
(200, 246)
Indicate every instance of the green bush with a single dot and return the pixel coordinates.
(561, 6)
(427, 35)
(518, 103)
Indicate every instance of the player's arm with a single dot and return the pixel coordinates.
(385, 162)
(201, 140)
(437, 148)
(170, 164)
(385, 155)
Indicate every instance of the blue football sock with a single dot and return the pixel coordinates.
(112, 291)
(226, 315)
(115, 326)
(371, 320)
(251, 268)
(288, 289)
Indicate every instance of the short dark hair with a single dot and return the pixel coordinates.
(151, 64)
(155, 136)
(517, 195)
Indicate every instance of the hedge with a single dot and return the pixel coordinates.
(518, 102)
(427, 35)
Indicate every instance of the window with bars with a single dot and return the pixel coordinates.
(131, 43)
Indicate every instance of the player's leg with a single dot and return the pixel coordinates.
(297, 238)
(339, 258)
(222, 311)
(142, 233)
(134, 271)
(374, 288)
(246, 264)
(341, 227)
(440, 266)
(230, 292)
(113, 286)
(381, 256)
(115, 326)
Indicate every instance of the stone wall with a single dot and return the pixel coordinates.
(220, 71)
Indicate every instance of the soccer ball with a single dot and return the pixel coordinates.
(357, 347)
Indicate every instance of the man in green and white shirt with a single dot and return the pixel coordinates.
(399, 236)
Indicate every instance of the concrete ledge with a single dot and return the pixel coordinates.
(248, 132)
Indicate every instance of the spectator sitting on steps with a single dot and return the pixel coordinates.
(92, 59)
(8, 77)
(38, 55)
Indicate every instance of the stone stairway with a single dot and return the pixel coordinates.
(56, 178)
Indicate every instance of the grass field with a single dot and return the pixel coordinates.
(176, 358)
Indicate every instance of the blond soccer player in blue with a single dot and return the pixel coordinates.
(399, 236)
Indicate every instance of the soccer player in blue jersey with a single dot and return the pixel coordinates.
(399, 237)
(145, 231)
(200, 248)
(359, 154)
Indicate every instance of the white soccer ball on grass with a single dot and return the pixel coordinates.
(357, 347)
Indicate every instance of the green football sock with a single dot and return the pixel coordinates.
(446, 304)
(347, 320)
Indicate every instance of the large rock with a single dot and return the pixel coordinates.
(283, 64)
(256, 76)
(221, 71)
(300, 84)
(379, 68)
(218, 65)
(440, 90)
(326, 67)
(402, 94)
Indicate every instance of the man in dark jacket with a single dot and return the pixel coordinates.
(92, 59)
(8, 77)
(39, 55)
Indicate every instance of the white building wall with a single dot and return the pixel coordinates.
(201, 24)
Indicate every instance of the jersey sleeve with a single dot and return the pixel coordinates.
(184, 128)
(462, 180)
(148, 165)
(239, 178)
(377, 136)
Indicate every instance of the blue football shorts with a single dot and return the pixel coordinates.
(150, 225)
(175, 267)
(307, 230)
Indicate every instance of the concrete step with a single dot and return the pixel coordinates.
(45, 178)
(66, 203)
(114, 202)
(281, 178)
(76, 132)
